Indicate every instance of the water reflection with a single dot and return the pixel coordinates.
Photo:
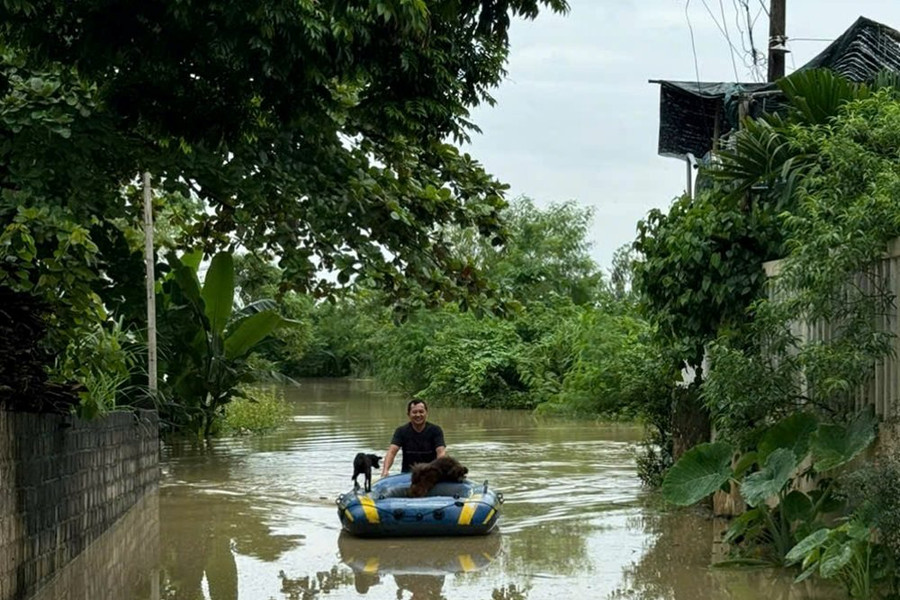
(309, 587)
(676, 566)
(121, 563)
(204, 528)
(417, 567)
(426, 556)
(510, 592)
(421, 587)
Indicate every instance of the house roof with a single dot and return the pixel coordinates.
(692, 114)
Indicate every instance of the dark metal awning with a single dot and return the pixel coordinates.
(694, 114)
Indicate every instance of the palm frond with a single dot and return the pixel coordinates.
(816, 95)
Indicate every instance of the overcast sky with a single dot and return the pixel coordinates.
(577, 119)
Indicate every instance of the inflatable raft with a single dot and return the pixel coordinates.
(463, 508)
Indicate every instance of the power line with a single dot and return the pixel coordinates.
(693, 44)
(728, 39)
(756, 55)
(724, 33)
(737, 24)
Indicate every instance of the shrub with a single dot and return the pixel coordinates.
(259, 409)
(876, 487)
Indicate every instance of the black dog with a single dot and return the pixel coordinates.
(363, 465)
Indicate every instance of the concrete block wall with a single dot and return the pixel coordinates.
(63, 483)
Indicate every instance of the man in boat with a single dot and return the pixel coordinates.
(420, 440)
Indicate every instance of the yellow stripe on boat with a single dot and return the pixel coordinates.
(489, 515)
(371, 565)
(369, 507)
(348, 514)
(468, 510)
(466, 562)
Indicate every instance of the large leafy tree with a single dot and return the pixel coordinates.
(700, 269)
(700, 264)
(547, 255)
(316, 130)
(320, 132)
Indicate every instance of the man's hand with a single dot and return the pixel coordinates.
(392, 451)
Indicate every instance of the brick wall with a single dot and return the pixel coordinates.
(63, 482)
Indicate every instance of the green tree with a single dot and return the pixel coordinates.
(828, 171)
(700, 273)
(844, 214)
(547, 254)
(545, 257)
(312, 130)
(318, 132)
(259, 279)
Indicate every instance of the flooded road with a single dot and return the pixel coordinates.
(254, 518)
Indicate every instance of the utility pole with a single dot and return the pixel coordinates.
(777, 39)
(150, 264)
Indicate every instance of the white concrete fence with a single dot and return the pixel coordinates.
(883, 388)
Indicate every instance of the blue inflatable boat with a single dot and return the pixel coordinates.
(463, 508)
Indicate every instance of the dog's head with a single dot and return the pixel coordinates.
(450, 468)
(457, 472)
(373, 460)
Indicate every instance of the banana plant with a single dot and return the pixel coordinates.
(778, 513)
(205, 343)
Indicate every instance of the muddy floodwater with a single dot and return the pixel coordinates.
(254, 518)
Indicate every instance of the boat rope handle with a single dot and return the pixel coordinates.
(432, 511)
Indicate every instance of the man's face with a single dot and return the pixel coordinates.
(417, 414)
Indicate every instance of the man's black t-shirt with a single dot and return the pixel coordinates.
(418, 446)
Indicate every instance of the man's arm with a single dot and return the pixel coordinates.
(393, 449)
(440, 446)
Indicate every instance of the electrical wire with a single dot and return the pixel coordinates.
(755, 55)
(763, 63)
(737, 25)
(693, 44)
(724, 33)
(728, 39)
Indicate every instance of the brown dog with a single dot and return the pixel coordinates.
(426, 475)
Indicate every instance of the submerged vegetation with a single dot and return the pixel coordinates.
(258, 409)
